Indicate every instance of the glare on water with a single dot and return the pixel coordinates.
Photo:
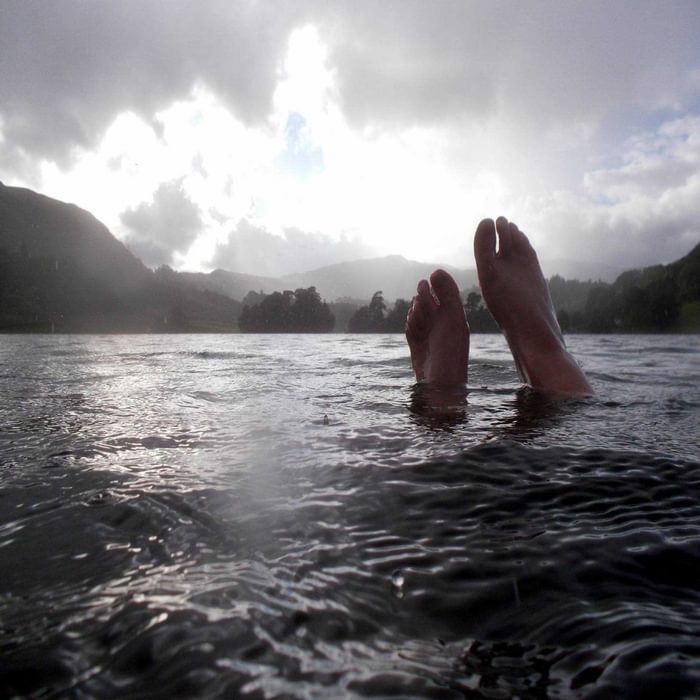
(274, 516)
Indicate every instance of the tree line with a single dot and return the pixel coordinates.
(45, 294)
(653, 299)
(374, 318)
(40, 293)
(300, 311)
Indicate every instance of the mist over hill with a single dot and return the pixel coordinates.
(35, 225)
(61, 269)
(394, 275)
(358, 280)
(582, 270)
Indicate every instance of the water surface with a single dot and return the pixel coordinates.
(285, 516)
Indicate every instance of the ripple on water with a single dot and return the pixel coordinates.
(200, 536)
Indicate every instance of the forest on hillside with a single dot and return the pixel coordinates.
(62, 270)
(300, 311)
(375, 318)
(654, 299)
(41, 294)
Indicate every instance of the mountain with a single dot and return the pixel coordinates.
(650, 299)
(394, 275)
(233, 284)
(580, 270)
(32, 225)
(61, 269)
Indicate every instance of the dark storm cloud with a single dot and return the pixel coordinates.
(559, 83)
(429, 62)
(68, 67)
(254, 250)
(166, 226)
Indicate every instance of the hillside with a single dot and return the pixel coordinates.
(34, 225)
(651, 299)
(61, 269)
(579, 270)
(394, 275)
(233, 284)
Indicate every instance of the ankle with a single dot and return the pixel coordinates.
(555, 371)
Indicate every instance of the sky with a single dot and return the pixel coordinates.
(277, 137)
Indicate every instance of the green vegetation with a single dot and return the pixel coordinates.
(654, 299)
(479, 318)
(301, 311)
(62, 270)
(689, 317)
(44, 294)
(374, 318)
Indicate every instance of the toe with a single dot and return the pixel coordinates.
(426, 299)
(423, 289)
(520, 242)
(445, 288)
(418, 321)
(505, 236)
(485, 246)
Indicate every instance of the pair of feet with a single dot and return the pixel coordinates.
(517, 296)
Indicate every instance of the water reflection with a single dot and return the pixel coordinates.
(203, 532)
(438, 407)
(523, 414)
(533, 413)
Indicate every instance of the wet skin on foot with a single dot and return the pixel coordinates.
(517, 296)
(437, 332)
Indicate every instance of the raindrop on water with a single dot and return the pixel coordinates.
(397, 581)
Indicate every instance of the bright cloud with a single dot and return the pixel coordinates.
(643, 211)
(360, 128)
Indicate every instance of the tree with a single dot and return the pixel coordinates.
(478, 316)
(301, 311)
(377, 307)
(473, 303)
(664, 302)
(601, 309)
(361, 321)
(689, 276)
(369, 319)
(395, 321)
(564, 320)
(309, 313)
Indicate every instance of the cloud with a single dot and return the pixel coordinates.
(254, 250)
(70, 67)
(402, 121)
(166, 226)
(423, 62)
(643, 211)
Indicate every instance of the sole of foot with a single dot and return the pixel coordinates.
(437, 332)
(517, 296)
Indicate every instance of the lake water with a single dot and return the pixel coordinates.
(287, 517)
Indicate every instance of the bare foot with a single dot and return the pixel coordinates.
(437, 332)
(517, 296)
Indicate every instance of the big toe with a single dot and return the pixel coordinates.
(485, 245)
(520, 242)
(445, 288)
(420, 315)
